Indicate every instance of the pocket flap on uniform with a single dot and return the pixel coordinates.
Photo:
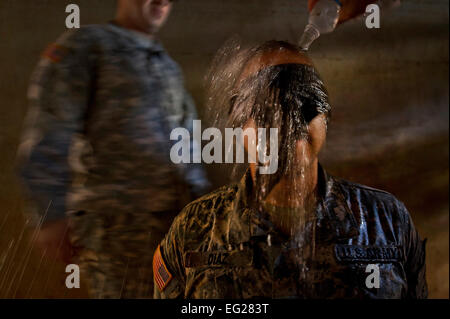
(218, 258)
(359, 253)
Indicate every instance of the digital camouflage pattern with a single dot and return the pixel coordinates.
(103, 101)
(221, 247)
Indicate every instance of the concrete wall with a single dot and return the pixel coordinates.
(388, 87)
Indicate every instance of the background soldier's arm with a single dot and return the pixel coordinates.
(58, 96)
(195, 173)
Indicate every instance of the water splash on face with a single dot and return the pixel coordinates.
(287, 96)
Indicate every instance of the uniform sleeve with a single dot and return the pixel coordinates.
(168, 268)
(415, 261)
(195, 173)
(58, 98)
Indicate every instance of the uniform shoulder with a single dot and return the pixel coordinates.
(201, 210)
(84, 37)
(371, 193)
(221, 192)
(364, 187)
(213, 199)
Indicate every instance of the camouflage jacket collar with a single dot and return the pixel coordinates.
(333, 220)
(136, 40)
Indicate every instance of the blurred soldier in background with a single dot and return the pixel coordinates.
(104, 100)
(298, 233)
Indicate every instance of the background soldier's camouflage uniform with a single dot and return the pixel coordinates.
(219, 247)
(104, 100)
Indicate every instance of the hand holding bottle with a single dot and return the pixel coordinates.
(325, 15)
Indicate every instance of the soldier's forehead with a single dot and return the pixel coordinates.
(273, 57)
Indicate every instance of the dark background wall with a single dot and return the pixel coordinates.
(388, 87)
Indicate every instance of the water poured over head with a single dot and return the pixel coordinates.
(274, 85)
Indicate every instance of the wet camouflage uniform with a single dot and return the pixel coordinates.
(104, 100)
(219, 247)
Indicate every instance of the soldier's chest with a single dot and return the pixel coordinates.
(140, 78)
(283, 271)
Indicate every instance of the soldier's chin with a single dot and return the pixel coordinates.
(298, 168)
(154, 27)
(156, 20)
(152, 24)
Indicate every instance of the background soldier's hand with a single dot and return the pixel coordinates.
(53, 240)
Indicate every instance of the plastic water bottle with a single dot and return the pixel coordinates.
(323, 18)
(326, 14)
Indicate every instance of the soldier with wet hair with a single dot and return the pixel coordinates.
(298, 233)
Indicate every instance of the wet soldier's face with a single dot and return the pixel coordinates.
(145, 15)
(307, 149)
(308, 136)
